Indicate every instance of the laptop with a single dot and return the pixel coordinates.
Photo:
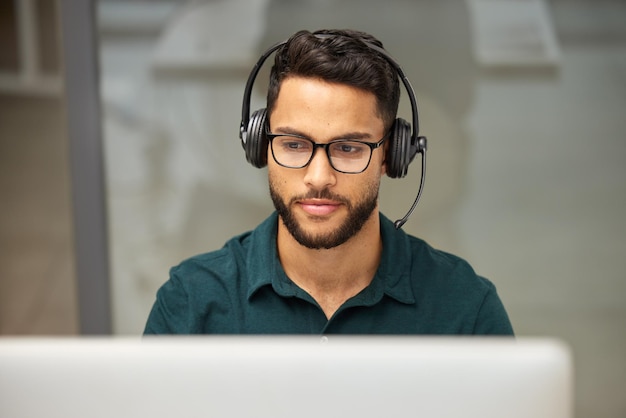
(283, 377)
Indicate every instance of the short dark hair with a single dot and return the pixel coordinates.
(340, 56)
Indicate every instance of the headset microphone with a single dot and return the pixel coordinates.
(404, 139)
(423, 147)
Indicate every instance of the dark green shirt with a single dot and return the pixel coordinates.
(242, 289)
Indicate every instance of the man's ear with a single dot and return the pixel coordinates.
(383, 167)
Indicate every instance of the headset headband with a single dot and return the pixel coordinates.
(245, 110)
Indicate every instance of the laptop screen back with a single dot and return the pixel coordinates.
(285, 377)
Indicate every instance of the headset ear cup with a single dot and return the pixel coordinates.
(256, 141)
(399, 156)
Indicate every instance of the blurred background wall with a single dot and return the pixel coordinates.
(522, 101)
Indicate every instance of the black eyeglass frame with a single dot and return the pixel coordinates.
(372, 145)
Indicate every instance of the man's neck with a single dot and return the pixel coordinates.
(332, 276)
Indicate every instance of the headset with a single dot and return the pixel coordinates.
(404, 142)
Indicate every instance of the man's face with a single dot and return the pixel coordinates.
(321, 207)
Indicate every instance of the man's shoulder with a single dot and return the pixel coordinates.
(231, 259)
(446, 288)
(419, 252)
(437, 257)
(432, 266)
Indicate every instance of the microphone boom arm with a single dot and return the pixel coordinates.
(398, 224)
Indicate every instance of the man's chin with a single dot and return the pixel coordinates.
(318, 242)
(320, 232)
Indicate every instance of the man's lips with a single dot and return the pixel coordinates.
(319, 207)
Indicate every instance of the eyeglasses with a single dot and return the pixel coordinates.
(345, 155)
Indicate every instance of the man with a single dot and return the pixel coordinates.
(327, 261)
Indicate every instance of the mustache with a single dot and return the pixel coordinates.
(321, 194)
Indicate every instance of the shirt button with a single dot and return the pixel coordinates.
(324, 339)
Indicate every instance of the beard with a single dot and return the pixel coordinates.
(358, 214)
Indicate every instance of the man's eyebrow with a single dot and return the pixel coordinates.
(287, 130)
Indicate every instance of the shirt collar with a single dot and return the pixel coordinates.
(262, 260)
(392, 277)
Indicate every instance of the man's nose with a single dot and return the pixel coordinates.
(319, 172)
